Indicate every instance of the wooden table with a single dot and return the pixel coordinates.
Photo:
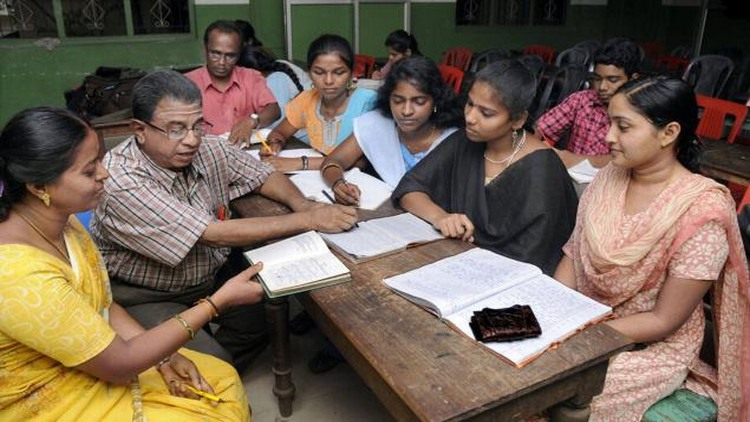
(420, 368)
(730, 162)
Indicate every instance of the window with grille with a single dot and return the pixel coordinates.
(511, 12)
(92, 18)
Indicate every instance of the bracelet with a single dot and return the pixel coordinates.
(185, 325)
(304, 162)
(331, 164)
(162, 363)
(211, 313)
(336, 182)
(213, 309)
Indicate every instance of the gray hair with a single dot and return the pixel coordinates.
(158, 85)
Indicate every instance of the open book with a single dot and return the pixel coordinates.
(381, 236)
(297, 264)
(374, 191)
(455, 287)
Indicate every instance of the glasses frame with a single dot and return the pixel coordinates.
(218, 55)
(206, 127)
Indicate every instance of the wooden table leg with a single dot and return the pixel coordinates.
(578, 407)
(277, 313)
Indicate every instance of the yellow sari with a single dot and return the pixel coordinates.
(53, 317)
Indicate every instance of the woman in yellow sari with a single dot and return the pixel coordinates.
(651, 238)
(67, 352)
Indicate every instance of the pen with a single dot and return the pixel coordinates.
(203, 393)
(333, 201)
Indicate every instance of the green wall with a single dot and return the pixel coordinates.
(32, 75)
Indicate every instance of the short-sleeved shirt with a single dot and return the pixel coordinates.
(148, 222)
(584, 116)
(303, 112)
(246, 93)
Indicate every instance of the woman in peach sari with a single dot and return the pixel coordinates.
(651, 238)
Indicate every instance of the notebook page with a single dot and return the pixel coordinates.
(374, 191)
(559, 310)
(461, 280)
(382, 235)
(294, 248)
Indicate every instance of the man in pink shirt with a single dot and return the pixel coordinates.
(583, 114)
(235, 99)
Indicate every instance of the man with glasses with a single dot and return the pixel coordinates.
(583, 114)
(235, 99)
(161, 224)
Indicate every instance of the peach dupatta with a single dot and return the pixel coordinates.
(603, 262)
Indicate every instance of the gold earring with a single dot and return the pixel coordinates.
(45, 198)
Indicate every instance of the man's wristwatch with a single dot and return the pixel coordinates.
(256, 118)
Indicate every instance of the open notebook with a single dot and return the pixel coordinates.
(381, 236)
(297, 264)
(374, 191)
(453, 288)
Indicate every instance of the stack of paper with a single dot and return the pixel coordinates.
(583, 172)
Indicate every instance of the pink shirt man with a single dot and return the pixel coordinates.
(247, 93)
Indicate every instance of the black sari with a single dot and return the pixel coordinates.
(526, 213)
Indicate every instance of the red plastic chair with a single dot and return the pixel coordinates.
(363, 66)
(544, 51)
(458, 57)
(715, 113)
(452, 76)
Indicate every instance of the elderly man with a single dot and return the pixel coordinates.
(235, 99)
(160, 224)
(583, 114)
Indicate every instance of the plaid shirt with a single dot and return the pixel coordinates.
(149, 220)
(585, 116)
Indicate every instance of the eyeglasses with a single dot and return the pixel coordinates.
(216, 56)
(178, 133)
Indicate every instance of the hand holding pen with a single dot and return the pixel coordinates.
(345, 192)
(333, 201)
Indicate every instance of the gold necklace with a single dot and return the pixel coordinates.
(44, 236)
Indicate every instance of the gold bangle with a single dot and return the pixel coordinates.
(336, 182)
(213, 305)
(185, 325)
(331, 164)
(162, 363)
(213, 311)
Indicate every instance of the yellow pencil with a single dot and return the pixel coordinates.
(203, 393)
(263, 141)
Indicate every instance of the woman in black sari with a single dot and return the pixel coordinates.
(494, 184)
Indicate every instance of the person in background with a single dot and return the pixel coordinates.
(163, 225)
(248, 33)
(415, 111)
(494, 184)
(583, 114)
(280, 78)
(651, 238)
(235, 99)
(400, 45)
(327, 111)
(67, 351)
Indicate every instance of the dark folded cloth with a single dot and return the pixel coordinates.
(507, 324)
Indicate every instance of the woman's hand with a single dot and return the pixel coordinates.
(177, 372)
(347, 193)
(241, 289)
(283, 165)
(456, 226)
